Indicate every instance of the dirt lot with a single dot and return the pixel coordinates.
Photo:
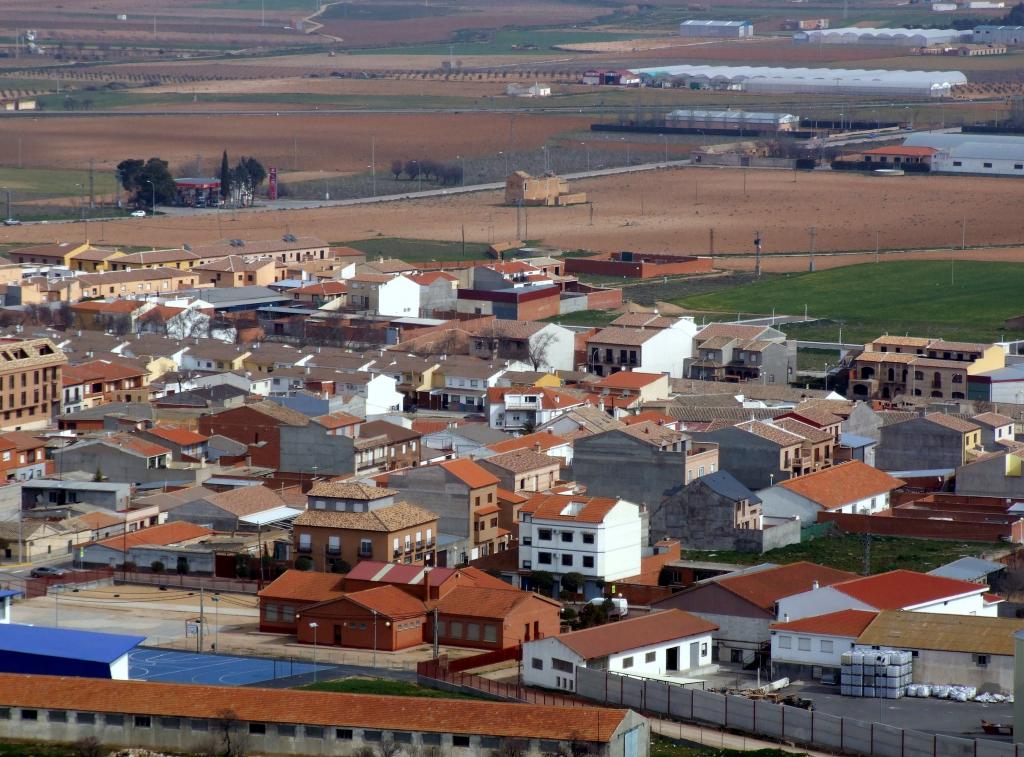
(845, 209)
(333, 86)
(331, 142)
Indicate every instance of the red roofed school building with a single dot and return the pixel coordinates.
(389, 607)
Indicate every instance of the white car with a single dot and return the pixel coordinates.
(138, 214)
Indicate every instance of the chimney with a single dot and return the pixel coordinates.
(815, 585)
(785, 618)
(536, 446)
(426, 584)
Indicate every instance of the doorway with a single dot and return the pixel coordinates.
(672, 658)
(337, 635)
(694, 655)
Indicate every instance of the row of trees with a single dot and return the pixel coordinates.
(150, 181)
(239, 184)
(427, 169)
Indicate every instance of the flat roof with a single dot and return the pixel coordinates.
(65, 642)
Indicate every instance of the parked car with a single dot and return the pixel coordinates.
(138, 214)
(12, 222)
(45, 571)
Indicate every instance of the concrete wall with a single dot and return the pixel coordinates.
(303, 447)
(752, 460)
(431, 488)
(990, 478)
(815, 729)
(918, 445)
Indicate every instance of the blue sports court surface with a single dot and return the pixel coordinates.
(220, 670)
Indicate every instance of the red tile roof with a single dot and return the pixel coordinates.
(843, 623)
(842, 484)
(326, 287)
(916, 152)
(134, 444)
(539, 439)
(501, 719)
(487, 601)
(561, 507)
(469, 473)
(628, 380)
(652, 416)
(163, 535)
(394, 573)
(764, 587)
(426, 279)
(305, 586)
(636, 633)
(900, 589)
(115, 306)
(389, 601)
(177, 435)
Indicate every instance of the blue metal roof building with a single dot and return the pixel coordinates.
(40, 650)
(6, 595)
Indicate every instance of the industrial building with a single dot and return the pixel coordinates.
(998, 155)
(856, 35)
(772, 80)
(999, 35)
(708, 28)
(732, 120)
(38, 650)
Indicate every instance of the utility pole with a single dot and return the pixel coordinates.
(202, 596)
(876, 245)
(757, 253)
(814, 236)
(437, 649)
(92, 185)
(711, 242)
(373, 164)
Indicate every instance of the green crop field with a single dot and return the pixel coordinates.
(41, 183)
(585, 318)
(964, 300)
(417, 250)
(502, 42)
(381, 687)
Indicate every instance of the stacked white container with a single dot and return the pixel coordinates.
(876, 673)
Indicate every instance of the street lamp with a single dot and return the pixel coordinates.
(626, 145)
(587, 148)
(216, 623)
(374, 637)
(500, 154)
(152, 203)
(314, 626)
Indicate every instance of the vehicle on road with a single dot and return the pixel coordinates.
(12, 222)
(45, 571)
(138, 214)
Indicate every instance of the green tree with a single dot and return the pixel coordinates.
(303, 563)
(148, 181)
(573, 582)
(225, 177)
(156, 566)
(542, 581)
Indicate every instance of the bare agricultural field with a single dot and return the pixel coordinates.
(306, 141)
(671, 210)
(338, 86)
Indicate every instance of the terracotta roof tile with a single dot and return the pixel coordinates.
(628, 380)
(389, 601)
(163, 535)
(305, 586)
(350, 490)
(899, 589)
(635, 633)
(396, 517)
(569, 508)
(842, 484)
(521, 461)
(486, 601)
(177, 435)
(841, 623)
(469, 473)
(731, 330)
(952, 422)
(627, 337)
(813, 434)
(992, 419)
(771, 432)
(764, 587)
(542, 439)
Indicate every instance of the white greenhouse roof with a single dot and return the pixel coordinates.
(824, 76)
(730, 115)
(701, 22)
(887, 33)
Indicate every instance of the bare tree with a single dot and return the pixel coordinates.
(388, 748)
(538, 347)
(512, 748)
(228, 736)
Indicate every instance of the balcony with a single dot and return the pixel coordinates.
(419, 545)
(304, 550)
(332, 551)
(527, 541)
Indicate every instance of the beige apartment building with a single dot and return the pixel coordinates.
(30, 383)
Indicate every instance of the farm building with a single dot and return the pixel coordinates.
(18, 104)
(523, 189)
(614, 78)
(856, 35)
(528, 90)
(728, 29)
(845, 81)
(737, 120)
(973, 153)
(1000, 35)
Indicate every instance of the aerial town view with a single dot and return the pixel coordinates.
(415, 378)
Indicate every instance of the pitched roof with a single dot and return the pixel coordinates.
(132, 444)
(65, 642)
(976, 634)
(521, 461)
(247, 500)
(561, 507)
(396, 517)
(764, 587)
(923, 152)
(395, 573)
(501, 719)
(469, 473)
(306, 586)
(629, 380)
(653, 433)
(731, 330)
(619, 335)
(900, 589)
(541, 440)
(771, 432)
(722, 482)
(176, 435)
(324, 288)
(349, 490)
(841, 623)
(842, 484)
(388, 600)
(281, 413)
(485, 601)
(992, 420)
(163, 535)
(635, 633)
(952, 422)
(395, 434)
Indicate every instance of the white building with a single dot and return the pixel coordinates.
(710, 28)
(6, 595)
(863, 35)
(645, 350)
(656, 645)
(813, 646)
(895, 590)
(519, 407)
(998, 35)
(995, 154)
(384, 295)
(597, 537)
(528, 90)
(852, 487)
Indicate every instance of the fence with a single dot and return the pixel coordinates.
(38, 587)
(482, 660)
(209, 583)
(436, 674)
(775, 721)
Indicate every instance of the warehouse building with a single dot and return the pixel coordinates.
(840, 81)
(998, 35)
(856, 35)
(723, 29)
(183, 718)
(732, 120)
(996, 155)
(40, 650)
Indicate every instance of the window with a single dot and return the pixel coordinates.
(567, 561)
(373, 735)
(627, 662)
(826, 645)
(651, 657)
(334, 545)
(473, 632)
(460, 741)
(490, 633)
(401, 737)
(544, 558)
(286, 730)
(803, 644)
(987, 165)
(544, 534)
(981, 660)
(430, 739)
(785, 642)
(588, 561)
(344, 734)
(588, 538)
(171, 723)
(958, 163)
(199, 725)
(1018, 166)
(313, 732)
(117, 720)
(143, 721)
(57, 716)
(567, 536)
(270, 612)
(490, 742)
(305, 543)
(257, 729)
(537, 663)
(563, 665)
(85, 718)
(456, 629)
